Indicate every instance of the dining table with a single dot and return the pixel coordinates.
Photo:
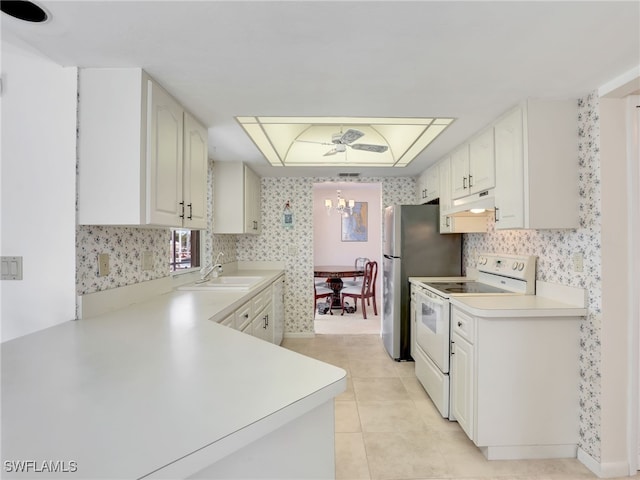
(334, 275)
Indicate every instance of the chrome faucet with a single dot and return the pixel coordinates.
(216, 269)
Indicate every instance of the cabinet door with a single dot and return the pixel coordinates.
(432, 183)
(252, 202)
(277, 309)
(481, 162)
(444, 172)
(462, 383)
(195, 174)
(421, 188)
(509, 195)
(164, 168)
(460, 172)
(262, 327)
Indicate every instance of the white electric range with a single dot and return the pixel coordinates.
(496, 274)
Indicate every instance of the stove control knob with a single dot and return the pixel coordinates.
(521, 266)
(514, 266)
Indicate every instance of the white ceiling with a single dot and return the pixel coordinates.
(466, 60)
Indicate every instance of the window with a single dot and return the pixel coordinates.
(185, 250)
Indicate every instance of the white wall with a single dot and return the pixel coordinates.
(615, 262)
(38, 190)
(328, 247)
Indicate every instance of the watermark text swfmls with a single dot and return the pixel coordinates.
(42, 466)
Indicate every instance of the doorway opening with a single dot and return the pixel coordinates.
(341, 237)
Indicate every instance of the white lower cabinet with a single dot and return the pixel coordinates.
(462, 384)
(277, 308)
(262, 315)
(515, 384)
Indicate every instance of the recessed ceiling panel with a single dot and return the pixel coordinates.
(339, 141)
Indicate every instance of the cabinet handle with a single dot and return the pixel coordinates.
(464, 182)
(470, 181)
(182, 205)
(447, 221)
(452, 345)
(246, 315)
(459, 324)
(496, 214)
(190, 211)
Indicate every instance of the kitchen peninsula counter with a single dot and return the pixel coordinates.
(160, 390)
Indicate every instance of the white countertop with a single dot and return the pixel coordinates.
(551, 300)
(128, 392)
(501, 306)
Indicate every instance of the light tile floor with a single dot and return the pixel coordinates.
(388, 428)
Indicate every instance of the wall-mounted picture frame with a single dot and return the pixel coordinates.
(355, 227)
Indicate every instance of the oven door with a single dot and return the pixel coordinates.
(432, 327)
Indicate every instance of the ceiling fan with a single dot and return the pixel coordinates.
(341, 141)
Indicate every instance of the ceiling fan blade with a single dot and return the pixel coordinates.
(351, 136)
(370, 148)
(316, 143)
(333, 151)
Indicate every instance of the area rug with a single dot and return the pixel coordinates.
(349, 323)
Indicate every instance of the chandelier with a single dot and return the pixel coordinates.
(343, 207)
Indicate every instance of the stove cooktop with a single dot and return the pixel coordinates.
(470, 287)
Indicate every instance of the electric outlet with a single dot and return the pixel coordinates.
(103, 264)
(578, 262)
(147, 260)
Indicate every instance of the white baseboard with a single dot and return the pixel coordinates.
(299, 335)
(603, 470)
(518, 452)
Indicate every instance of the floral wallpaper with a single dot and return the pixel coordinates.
(555, 249)
(274, 243)
(125, 246)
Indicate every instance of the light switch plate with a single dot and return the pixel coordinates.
(578, 262)
(103, 264)
(11, 268)
(147, 260)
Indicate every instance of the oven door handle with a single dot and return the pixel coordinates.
(432, 299)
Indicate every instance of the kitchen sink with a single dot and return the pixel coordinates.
(223, 283)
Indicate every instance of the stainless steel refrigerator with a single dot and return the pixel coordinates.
(412, 247)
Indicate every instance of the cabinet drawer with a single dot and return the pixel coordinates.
(463, 324)
(261, 299)
(243, 316)
(229, 321)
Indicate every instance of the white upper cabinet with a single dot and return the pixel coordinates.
(165, 157)
(536, 166)
(252, 223)
(429, 184)
(445, 194)
(195, 174)
(482, 169)
(473, 166)
(236, 199)
(131, 168)
(460, 172)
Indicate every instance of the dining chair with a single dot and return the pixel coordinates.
(365, 292)
(321, 292)
(359, 263)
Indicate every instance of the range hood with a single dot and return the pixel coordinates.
(467, 205)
